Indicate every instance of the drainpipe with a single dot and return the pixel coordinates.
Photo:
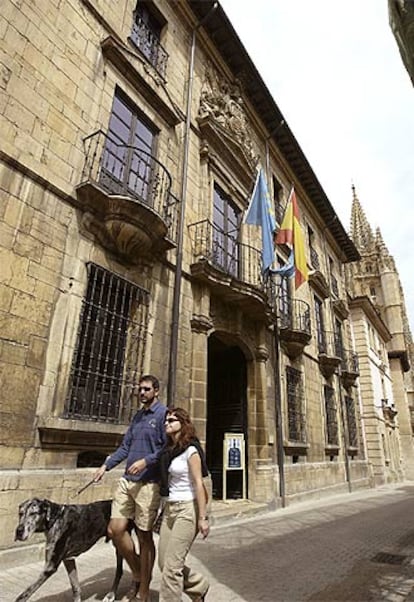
(172, 365)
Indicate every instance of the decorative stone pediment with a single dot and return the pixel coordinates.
(319, 283)
(340, 308)
(142, 78)
(223, 122)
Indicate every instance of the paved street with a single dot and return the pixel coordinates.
(355, 547)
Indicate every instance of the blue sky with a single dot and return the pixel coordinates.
(335, 71)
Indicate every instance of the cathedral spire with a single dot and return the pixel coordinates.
(361, 232)
(380, 244)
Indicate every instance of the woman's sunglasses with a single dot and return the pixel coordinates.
(170, 420)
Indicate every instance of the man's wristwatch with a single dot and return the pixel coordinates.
(203, 517)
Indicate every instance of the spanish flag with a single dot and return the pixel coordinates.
(291, 234)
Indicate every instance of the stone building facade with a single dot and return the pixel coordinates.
(383, 340)
(131, 136)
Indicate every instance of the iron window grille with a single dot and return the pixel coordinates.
(295, 403)
(331, 416)
(108, 358)
(351, 421)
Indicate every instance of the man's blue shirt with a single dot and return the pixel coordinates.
(144, 438)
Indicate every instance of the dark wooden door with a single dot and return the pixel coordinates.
(226, 410)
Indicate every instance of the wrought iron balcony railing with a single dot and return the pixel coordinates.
(226, 253)
(330, 351)
(149, 44)
(295, 315)
(350, 362)
(294, 325)
(120, 169)
(349, 368)
(330, 343)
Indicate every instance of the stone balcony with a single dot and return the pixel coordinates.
(294, 327)
(330, 353)
(232, 270)
(349, 368)
(125, 197)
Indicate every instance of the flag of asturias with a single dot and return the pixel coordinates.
(260, 213)
(291, 234)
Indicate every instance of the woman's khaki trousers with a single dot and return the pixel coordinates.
(178, 531)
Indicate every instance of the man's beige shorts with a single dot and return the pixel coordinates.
(137, 501)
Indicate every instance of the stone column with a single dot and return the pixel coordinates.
(261, 434)
(201, 325)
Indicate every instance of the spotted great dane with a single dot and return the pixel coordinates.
(70, 530)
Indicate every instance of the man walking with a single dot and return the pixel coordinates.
(137, 496)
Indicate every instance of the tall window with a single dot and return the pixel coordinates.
(295, 402)
(331, 416)
(334, 281)
(128, 164)
(338, 340)
(146, 35)
(277, 199)
(314, 257)
(109, 351)
(351, 421)
(320, 328)
(285, 301)
(226, 223)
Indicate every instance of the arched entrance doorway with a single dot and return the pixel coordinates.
(226, 409)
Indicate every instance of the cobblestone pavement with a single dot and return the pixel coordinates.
(356, 547)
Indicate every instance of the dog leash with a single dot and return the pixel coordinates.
(84, 487)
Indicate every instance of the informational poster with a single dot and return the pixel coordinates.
(234, 458)
(233, 451)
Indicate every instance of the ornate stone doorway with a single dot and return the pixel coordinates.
(226, 408)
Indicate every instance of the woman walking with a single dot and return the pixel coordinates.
(182, 466)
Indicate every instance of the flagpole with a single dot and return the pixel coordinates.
(278, 406)
(260, 213)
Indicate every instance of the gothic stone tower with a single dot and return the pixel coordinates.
(376, 278)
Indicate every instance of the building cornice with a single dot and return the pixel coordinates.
(220, 30)
(364, 303)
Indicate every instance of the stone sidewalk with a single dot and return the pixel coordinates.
(96, 567)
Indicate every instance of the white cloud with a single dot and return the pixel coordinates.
(335, 71)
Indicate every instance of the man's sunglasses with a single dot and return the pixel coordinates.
(170, 420)
(146, 389)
